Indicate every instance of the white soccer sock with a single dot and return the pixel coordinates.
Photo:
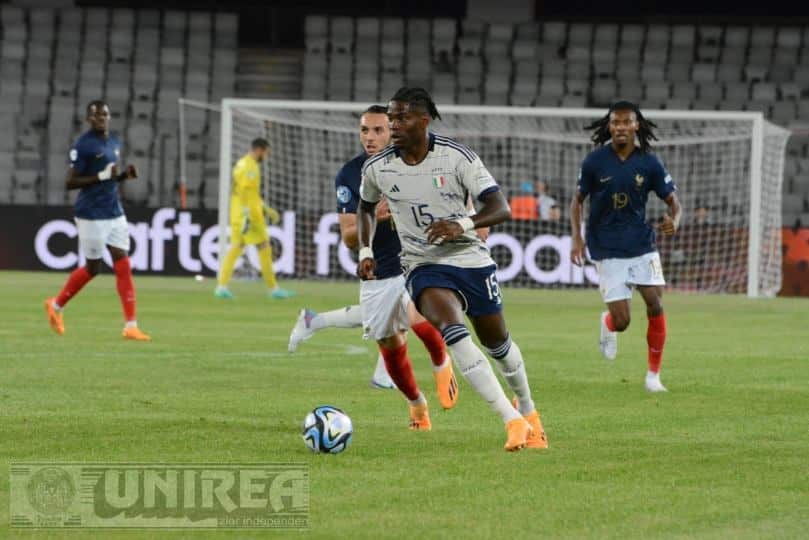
(421, 400)
(476, 369)
(347, 317)
(131, 324)
(509, 360)
(56, 306)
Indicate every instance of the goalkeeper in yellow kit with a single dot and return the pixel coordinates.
(247, 226)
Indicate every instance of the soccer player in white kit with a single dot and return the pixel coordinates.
(427, 179)
(374, 136)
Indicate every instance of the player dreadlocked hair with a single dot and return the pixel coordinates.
(645, 126)
(418, 96)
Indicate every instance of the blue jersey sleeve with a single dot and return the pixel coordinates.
(586, 176)
(80, 157)
(347, 198)
(661, 181)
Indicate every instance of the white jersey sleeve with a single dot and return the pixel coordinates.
(369, 188)
(475, 177)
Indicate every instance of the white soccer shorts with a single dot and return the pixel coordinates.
(96, 234)
(383, 304)
(617, 277)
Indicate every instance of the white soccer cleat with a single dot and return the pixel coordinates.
(381, 379)
(302, 329)
(608, 343)
(653, 383)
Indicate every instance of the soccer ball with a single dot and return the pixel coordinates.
(327, 430)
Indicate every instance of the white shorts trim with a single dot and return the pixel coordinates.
(383, 304)
(96, 234)
(617, 277)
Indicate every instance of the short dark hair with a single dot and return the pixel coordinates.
(376, 109)
(417, 96)
(259, 143)
(99, 103)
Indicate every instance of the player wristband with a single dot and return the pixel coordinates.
(366, 253)
(466, 223)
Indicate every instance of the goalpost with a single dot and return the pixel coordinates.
(728, 167)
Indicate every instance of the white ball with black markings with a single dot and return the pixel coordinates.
(327, 430)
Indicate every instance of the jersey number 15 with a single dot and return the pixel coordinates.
(422, 218)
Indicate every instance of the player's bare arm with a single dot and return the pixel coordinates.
(348, 224)
(366, 224)
(495, 210)
(110, 173)
(577, 250)
(482, 232)
(671, 221)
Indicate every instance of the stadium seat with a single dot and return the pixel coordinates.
(554, 32)
(632, 35)
(227, 25)
(703, 72)
(651, 72)
(762, 37)
(341, 35)
(606, 36)
(443, 38)
(580, 34)
(657, 91)
(763, 91)
(604, 92)
(577, 87)
(755, 73)
(784, 112)
(679, 72)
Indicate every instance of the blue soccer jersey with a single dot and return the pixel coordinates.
(386, 244)
(88, 157)
(618, 191)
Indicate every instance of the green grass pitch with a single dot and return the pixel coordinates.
(725, 454)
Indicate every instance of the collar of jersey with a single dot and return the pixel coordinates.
(430, 145)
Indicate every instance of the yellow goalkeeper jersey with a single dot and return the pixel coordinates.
(246, 206)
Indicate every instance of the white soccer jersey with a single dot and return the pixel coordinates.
(437, 188)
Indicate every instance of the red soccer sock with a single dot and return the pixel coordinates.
(78, 279)
(656, 338)
(400, 370)
(608, 322)
(126, 287)
(432, 340)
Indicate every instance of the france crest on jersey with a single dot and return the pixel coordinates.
(91, 153)
(619, 191)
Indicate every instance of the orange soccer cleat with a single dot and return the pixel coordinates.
(446, 385)
(136, 334)
(537, 439)
(420, 418)
(54, 317)
(518, 432)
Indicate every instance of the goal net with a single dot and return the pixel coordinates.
(728, 168)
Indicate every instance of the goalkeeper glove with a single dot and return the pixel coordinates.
(272, 213)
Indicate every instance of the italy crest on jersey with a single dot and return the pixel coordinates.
(438, 181)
